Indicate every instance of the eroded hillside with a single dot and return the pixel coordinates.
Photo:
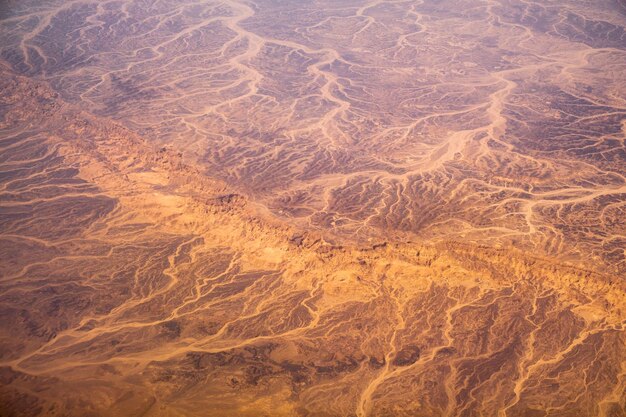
(500, 122)
(132, 284)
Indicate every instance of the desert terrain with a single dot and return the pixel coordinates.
(281, 208)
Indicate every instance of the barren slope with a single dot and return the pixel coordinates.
(132, 285)
(324, 208)
(493, 121)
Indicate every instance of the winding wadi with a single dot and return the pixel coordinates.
(313, 208)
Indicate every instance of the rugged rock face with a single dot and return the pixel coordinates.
(134, 285)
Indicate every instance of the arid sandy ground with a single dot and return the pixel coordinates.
(349, 208)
